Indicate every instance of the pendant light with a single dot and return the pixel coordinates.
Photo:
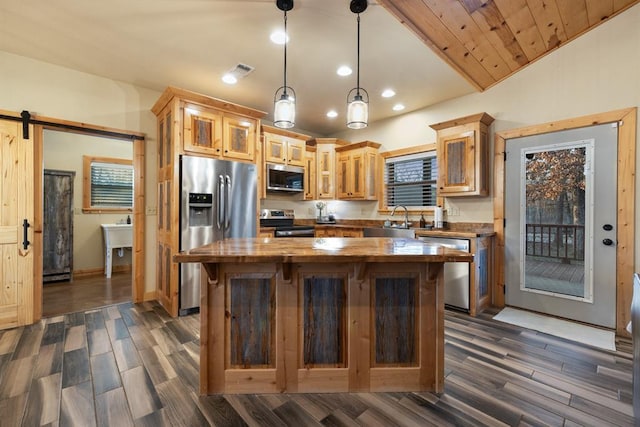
(358, 102)
(284, 100)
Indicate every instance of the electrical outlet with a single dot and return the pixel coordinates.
(151, 210)
(77, 211)
(310, 211)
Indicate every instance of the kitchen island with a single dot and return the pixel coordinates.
(302, 315)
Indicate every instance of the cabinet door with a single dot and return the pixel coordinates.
(310, 180)
(274, 148)
(296, 152)
(357, 175)
(326, 176)
(344, 176)
(239, 138)
(202, 132)
(457, 163)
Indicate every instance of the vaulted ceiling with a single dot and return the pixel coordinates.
(488, 40)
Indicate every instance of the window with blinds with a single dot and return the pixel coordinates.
(410, 180)
(108, 184)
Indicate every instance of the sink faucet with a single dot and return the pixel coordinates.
(406, 214)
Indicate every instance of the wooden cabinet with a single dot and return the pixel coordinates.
(310, 177)
(463, 156)
(481, 274)
(266, 232)
(192, 123)
(335, 231)
(284, 147)
(214, 133)
(357, 171)
(326, 165)
(57, 233)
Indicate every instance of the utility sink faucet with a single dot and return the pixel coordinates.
(406, 214)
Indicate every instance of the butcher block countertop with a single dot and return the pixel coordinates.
(321, 250)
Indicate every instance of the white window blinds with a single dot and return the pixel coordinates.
(411, 180)
(111, 185)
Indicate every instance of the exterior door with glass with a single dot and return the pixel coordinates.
(560, 230)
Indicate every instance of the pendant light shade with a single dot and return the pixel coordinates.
(358, 98)
(284, 100)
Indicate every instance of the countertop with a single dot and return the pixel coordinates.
(321, 250)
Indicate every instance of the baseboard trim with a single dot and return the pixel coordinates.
(100, 271)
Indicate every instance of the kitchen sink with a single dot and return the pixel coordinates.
(408, 233)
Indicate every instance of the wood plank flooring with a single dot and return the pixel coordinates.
(85, 293)
(129, 364)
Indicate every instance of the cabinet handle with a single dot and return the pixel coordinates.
(25, 239)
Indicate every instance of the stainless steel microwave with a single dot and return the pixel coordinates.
(285, 178)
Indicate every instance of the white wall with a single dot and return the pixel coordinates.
(65, 151)
(62, 93)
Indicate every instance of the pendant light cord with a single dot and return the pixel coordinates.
(285, 52)
(358, 74)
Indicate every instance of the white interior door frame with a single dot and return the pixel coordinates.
(626, 158)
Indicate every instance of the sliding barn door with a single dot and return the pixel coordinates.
(16, 207)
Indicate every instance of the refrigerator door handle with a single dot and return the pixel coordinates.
(220, 213)
(227, 203)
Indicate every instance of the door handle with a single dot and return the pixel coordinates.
(607, 242)
(220, 201)
(25, 234)
(227, 203)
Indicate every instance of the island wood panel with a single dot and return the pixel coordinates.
(323, 329)
(251, 307)
(320, 287)
(395, 327)
(309, 354)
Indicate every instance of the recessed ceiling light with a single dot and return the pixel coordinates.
(344, 70)
(398, 107)
(332, 114)
(279, 37)
(229, 79)
(388, 93)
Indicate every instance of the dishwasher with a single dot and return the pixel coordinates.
(456, 274)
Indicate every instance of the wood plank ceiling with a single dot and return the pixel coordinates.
(488, 40)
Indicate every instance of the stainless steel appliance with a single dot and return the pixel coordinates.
(217, 201)
(284, 178)
(456, 274)
(282, 220)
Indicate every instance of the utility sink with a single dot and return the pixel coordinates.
(408, 233)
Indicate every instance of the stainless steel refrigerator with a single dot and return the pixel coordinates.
(217, 201)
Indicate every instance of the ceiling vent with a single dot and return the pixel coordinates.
(241, 70)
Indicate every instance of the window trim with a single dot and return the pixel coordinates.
(382, 197)
(86, 184)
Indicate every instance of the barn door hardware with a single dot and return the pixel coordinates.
(25, 228)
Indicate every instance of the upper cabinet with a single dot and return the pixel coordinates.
(215, 133)
(284, 147)
(357, 171)
(326, 165)
(463, 156)
(310, 178)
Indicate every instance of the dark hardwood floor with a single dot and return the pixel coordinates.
(133, 365)
(85, 293)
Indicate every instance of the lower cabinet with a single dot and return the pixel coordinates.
(332, 231)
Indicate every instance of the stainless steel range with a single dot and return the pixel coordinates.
(282, 220)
